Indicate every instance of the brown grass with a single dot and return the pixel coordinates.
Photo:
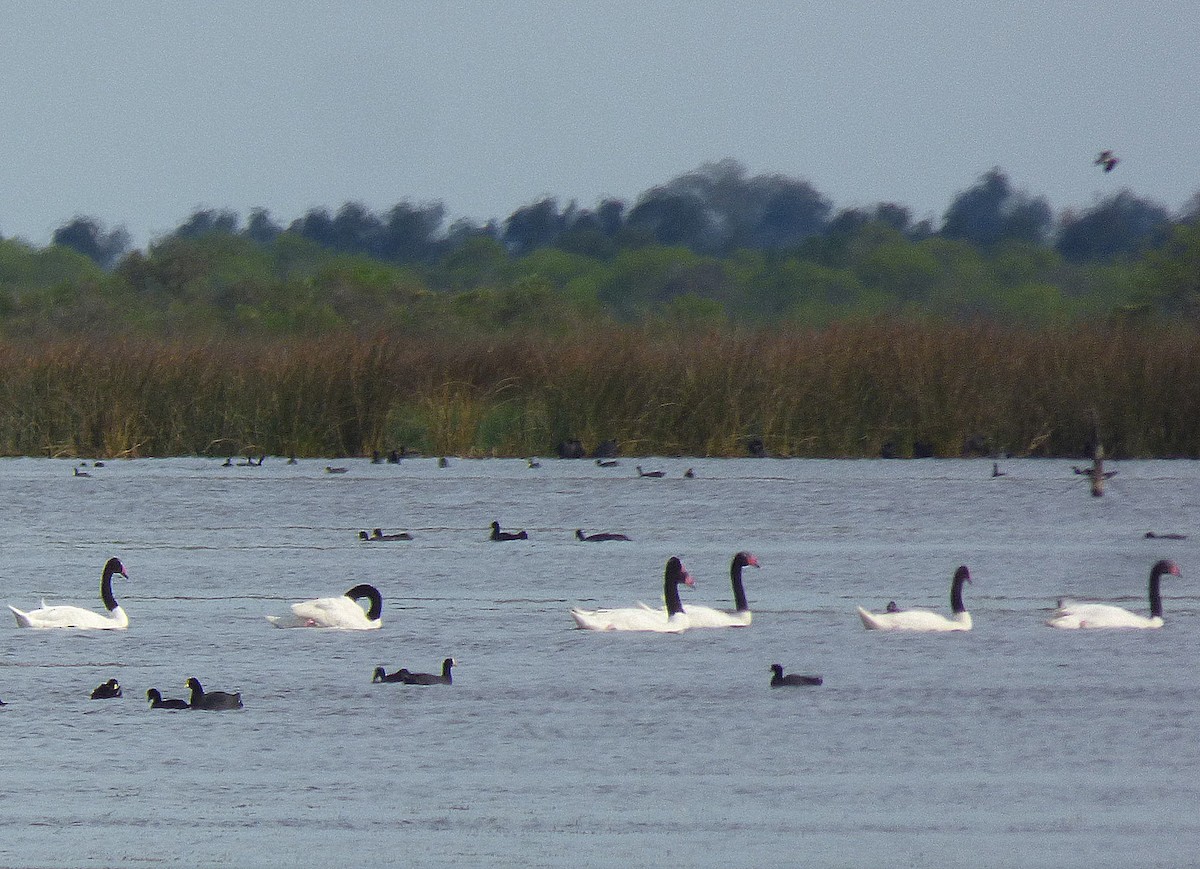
(843, 391)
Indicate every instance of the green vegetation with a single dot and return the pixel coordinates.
(718, 309)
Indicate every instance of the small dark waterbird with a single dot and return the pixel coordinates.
(431, 678)
(497, 534)
(381, 675)
(598, 538)
(157, 701)
(212, 701)
(107, 691)
(778, 680)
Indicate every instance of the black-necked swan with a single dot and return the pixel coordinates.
(1104, 615)
(925, 620)
(77, 617)
(157, 701)
(600, 537)
(212, 700)
(382, 675)
(707, 617)
(497, 534)
(107, 691)
(778, 680)
(341, 613)
(431, 678)
(643, 618)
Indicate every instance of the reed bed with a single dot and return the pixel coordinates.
(848, 390)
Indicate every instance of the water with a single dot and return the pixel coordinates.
(1013, 744)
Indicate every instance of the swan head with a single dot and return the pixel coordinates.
(114, 565)
(677, 573)
(746, 559)
(1168, 566)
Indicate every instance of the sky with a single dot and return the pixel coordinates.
(139, 113)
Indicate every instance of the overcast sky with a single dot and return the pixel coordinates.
(140, 113)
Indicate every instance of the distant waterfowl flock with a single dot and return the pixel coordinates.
(344, 612)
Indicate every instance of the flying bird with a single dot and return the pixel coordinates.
(1108, 160)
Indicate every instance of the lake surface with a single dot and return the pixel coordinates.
(1011, 745)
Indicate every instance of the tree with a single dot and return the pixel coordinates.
(991, 212)
(1120, 225)
(410, 232)
(1172, 273)
(261, 228)
(533, 226)
(87, 236)
(208, 220)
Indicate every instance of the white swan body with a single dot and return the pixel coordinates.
(709, 617)
(1071, 615)
(114, 619)
(642, 618)
(340, 613)
(922, 620)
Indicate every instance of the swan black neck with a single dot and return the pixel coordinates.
(1156, 574)
(111, 567)
(674, 575)
(956, 598)
(735, 577)
(372, 594)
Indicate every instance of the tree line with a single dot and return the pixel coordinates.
(712, 247)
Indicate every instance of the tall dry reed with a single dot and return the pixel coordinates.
(848, 390)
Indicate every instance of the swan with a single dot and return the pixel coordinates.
(598, 538)
(381, 675)
(157, 701)
(643, 618)
(707, 617)
(497, 534)
(78, 617)
(430, 678)
(1103, 615)
(778, 680)
(925, 620)
(107, 691)
(342, 613)
(213, 700)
